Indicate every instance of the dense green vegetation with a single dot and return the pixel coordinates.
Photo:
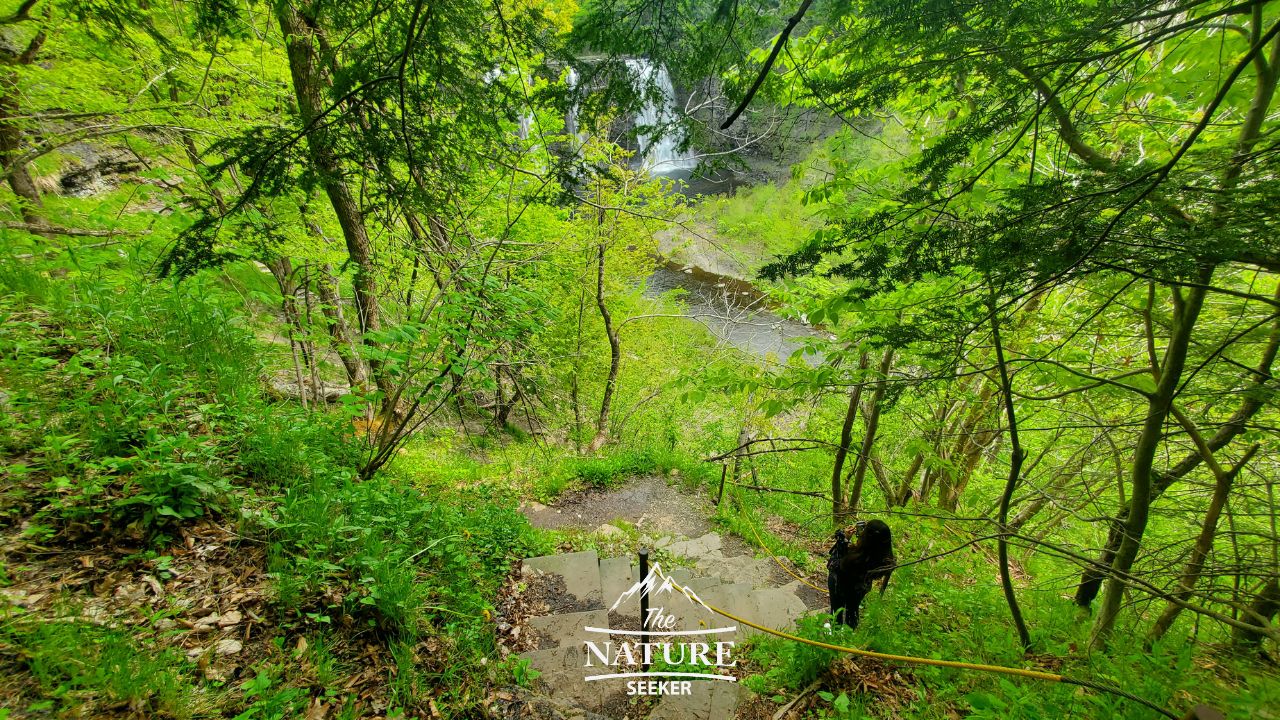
(302, 301)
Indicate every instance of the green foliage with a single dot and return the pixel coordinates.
(124, 398)
(81, 667)
(391, 557)
(795, 665)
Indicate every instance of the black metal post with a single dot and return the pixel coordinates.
(644, 600)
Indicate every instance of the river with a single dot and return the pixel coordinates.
(734, 311)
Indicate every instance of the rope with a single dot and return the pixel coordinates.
(999, 669)
(785, 569)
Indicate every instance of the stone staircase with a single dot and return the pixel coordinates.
(579, 588)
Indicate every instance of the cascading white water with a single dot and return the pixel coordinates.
(571, 119)
(659, 148)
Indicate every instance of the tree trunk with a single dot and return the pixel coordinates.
(1159, 405)
(904, 490)
(1011, 483)
(321, 145)
(1223, 479)
(19, 176)
(1254, 397)
(282, 270)
(339, 331)
(882, 479)
(574, 392)
(839, 509)
(615, 357)
(872, 417)
(1264, 607)
(975, 434)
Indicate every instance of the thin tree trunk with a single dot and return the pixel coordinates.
(574, 391)
(282, 270)
(872, 416)
(1254, 397)
(973, 440)
(1011, 484)
(343, 344)
(1264, 607)
(615, 356)
(904, 490)
(839, 509)
(19, 175)
(331, 306)
(882, 479)
(1223, 480)
(744, 437)
(1159, 405)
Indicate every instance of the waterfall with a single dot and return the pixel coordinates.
(571, 119)
(659, 151)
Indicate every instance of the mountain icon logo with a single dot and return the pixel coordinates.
(657, 583)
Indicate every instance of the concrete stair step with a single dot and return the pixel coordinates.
(591, 585)
(709, 700)
(701, 585)
(566, 629)
(554, 660)
(580, 572)
(617, 575)
(773, 608)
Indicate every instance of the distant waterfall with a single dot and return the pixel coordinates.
(659, 153)
(571, 119)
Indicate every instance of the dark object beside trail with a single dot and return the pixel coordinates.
(853, 569)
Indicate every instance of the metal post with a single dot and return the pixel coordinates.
(644, 600)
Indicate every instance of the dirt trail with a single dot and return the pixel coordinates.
(647, 502)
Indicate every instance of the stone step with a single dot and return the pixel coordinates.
(580, 573)
(555, 659)
(701, 585)
(706, 545)
(580, 587)
(773, 608)
(617, 575)
(708, 700)
(566, 629)
(739, 568)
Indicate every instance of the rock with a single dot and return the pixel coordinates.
(229, 619)
(610, 530)
(228, 646)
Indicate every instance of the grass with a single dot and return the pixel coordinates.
(80, 668)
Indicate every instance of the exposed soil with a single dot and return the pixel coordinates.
(647, 502)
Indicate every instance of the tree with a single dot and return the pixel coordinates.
(1041, 166)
